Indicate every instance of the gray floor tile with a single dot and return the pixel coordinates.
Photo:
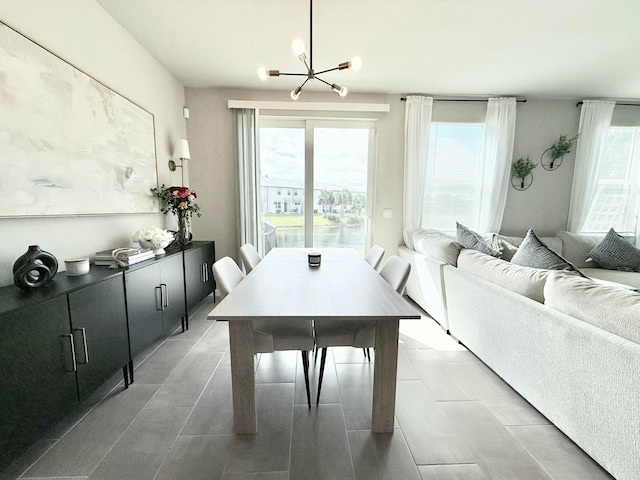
(196, 458)
(319, 447)
(381, 456)
(350, 355)
(405, 369)
(458, 356)
(452, 472)
(159, 365)
(356, 390)
(216, 338)
(516, 412)
(277, 367)
(139, 453)
(491, 444)
(268, 450)
(213, 413)
(26, 460)
(557, 454)
(330, 389)
(83, 447)
(430, 435)
(257, 476)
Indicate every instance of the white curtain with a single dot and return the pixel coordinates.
(595, 120)
(499, 134)
(417, 123)
(248, 176)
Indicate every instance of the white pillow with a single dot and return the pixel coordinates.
(436, 244)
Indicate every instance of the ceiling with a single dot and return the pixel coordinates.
(531, 48)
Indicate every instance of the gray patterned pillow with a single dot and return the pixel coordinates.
(534, 253)
(471, 239)
(614, 252)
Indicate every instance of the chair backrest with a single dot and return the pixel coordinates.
(250, 257)
(227, 275)
(396, 272)
(374, 256)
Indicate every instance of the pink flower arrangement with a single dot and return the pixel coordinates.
(178, 200)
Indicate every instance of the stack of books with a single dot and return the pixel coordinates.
(128, 256)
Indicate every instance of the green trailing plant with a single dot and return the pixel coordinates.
(562, 147)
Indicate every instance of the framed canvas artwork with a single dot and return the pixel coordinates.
(68, 144)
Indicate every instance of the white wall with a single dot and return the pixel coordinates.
(543, 207)
(83, 34)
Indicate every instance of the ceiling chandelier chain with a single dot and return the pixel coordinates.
(299, 50)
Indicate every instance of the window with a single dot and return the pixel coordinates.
(617, 198)
(454, 176)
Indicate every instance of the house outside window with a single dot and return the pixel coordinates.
(616, 201)
(454, 176)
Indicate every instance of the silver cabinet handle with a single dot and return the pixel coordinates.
(73, 350)
(159, 306)
(202, 273)
(206, 271)
(165, 295)
(84, 344)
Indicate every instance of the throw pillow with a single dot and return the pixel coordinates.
(507, 248)
(615, 253)
(471, 239)
(534, 253)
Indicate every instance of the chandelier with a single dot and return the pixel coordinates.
(298, 48)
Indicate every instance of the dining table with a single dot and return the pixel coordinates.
(342, 287)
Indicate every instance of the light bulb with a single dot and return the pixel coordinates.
(262, 73)
(297, 47)
(343, 91)
(295, 94)
(356, 63)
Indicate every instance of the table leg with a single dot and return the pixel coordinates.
(384, 376)
(242, 377)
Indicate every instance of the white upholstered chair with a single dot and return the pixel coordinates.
(250, 257)
(269, 335)
(358, 333)
(374, 256)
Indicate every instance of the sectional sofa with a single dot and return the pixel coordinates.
(570, 345)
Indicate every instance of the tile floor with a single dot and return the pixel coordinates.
(455, 419)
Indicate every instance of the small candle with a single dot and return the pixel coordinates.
(314, 259)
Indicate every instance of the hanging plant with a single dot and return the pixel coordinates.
(522, 168)
(562, 147)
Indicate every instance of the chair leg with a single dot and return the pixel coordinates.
(323, 359)
(315, 354)
(364, 352)
(305, 366)
(368, 354)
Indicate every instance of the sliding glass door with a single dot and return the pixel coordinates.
(314, 177)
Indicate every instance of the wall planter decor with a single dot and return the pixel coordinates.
(70, 145)
(552, 157)
(521, 176)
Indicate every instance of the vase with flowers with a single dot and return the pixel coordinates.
(181, 201)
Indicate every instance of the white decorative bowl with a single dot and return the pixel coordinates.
(158, 248)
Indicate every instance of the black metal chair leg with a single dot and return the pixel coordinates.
(305, 366)
(323, 359)
(368, 354)
(364, 352)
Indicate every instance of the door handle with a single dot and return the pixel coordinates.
(84, 344)
(202, 273)
(73, 350)
(206, 271)
(159, 306)
(164, 292)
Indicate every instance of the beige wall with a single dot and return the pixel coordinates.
(83, 34)
(543, 207)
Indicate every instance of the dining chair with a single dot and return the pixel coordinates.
(357, 333)
(250, 257)
(269, 335)
(374, 256)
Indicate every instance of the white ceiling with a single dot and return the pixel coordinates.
(531, 48)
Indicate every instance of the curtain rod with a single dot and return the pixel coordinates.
(523, 100)
(617, 104)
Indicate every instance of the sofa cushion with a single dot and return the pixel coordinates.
(526, 281)
(471, 239)
(436, 244)
(535, 253)
(615, 252)
(628, 279)
(576, 247)
(614, 309)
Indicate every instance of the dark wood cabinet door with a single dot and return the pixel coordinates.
(172, 281)
(144, 306)
(37, 381)
(193, 277)
(208, 259)
(99, 326)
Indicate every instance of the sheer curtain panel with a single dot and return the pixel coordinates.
(248, 176)
(499, 134)
(417, 123)
(595, 120)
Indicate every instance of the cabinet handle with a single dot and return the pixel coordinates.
(73, 350)
(161, 305)
(206, 271)
(202, 274)
(165, 295)
(84, 344)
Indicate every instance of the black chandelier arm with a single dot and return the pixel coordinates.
(328, 70)
(326, 83)
(295, 74)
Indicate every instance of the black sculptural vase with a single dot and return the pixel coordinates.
(35, 268)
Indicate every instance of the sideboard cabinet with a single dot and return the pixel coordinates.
(60, 342)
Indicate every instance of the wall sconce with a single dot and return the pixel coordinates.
(181, 151)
